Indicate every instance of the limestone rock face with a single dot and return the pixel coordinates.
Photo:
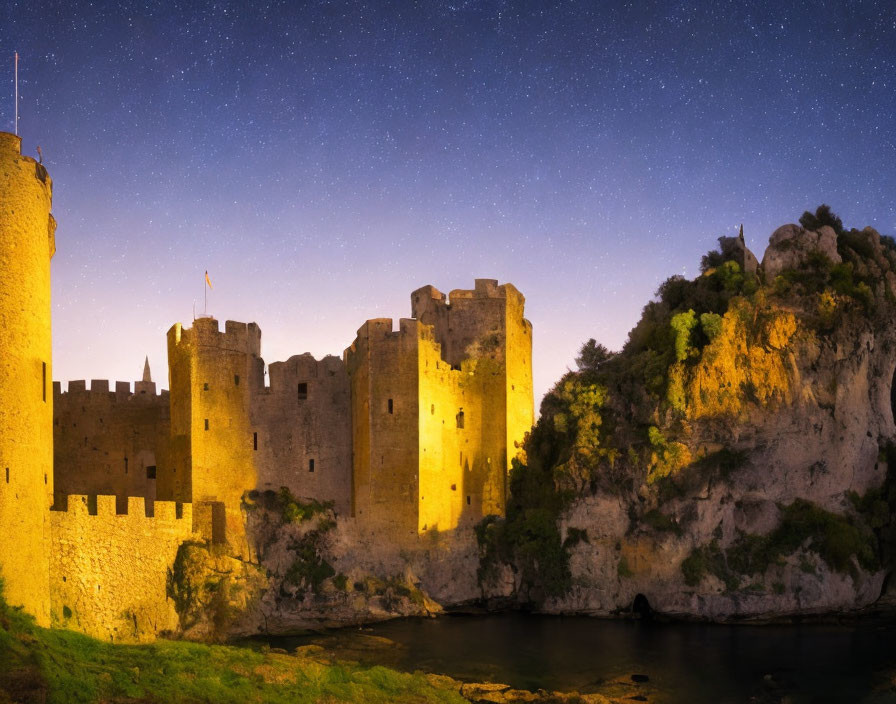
(790, 245)
(800, 523)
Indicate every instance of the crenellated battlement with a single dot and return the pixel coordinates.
(429, 297)
(382, 329)
(102, 387)
(103, 505)
(206, 332)
(302, 368)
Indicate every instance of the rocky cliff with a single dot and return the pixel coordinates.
(733, 460)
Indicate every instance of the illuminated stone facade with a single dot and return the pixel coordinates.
(439, 407)
(109, 565)
(27, 243)
(410, 432)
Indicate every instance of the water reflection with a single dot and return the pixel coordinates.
(682, 662)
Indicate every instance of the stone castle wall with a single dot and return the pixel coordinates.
(109, 570)
(109, 442)
(301, 430)
(408, 434)
(385, 405)
(27, 243)
(460, 474)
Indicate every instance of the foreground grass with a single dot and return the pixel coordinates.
(58, 667)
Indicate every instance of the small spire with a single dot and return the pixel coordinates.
(146, 375)
(741, 235)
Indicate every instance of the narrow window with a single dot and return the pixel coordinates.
(7, 475)
(303, 391)
(125, 465)
(45, 478)
(44, 380)
(432, 410)
(468, 499)
(151, 472)
(310, 465)
(460, 418)
(454, 487)
(390, 406)
(254, 441)
(206, 423)
(205, 386)
(236, 379)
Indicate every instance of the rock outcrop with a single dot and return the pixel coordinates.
(790, 247)
(763, 487)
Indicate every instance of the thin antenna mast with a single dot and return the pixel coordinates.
(17, 93)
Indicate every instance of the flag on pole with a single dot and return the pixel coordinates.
(208, 280)
(17, 94)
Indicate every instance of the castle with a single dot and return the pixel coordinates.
(412, 431)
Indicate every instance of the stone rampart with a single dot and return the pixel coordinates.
(109, 442)
(109, 570)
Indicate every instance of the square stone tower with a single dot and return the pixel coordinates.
(438, 410)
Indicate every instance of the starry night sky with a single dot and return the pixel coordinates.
(324, 159)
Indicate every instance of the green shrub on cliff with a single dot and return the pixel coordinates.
(529, 537)
(293, 510)
(836, 539)
(309, 570)
(212, 589)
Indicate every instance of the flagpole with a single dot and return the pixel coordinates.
(205, 293)
(17, 93)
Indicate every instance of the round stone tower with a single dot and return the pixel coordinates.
(27, 244)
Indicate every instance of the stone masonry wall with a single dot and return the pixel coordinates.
(383, 367)
(301, 430)
(109, 442)
(109, 571)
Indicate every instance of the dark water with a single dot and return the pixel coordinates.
(684, 662)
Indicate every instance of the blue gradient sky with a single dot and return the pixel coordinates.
(324, 159)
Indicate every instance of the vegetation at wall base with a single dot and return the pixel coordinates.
(63, 667)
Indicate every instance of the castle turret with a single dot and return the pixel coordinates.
(27, 243)
(212, 375)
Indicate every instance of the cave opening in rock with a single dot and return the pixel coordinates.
(893, 395)
(641, 607)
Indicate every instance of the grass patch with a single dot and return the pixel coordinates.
(62, 667)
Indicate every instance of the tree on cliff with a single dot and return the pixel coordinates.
(823, 216)
(591, 355)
